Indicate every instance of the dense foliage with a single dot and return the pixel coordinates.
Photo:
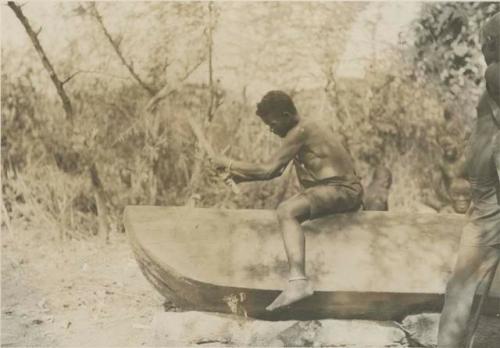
(50, 164)
(447, 43)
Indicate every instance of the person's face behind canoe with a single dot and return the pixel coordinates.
(460, 194)
(277, 110)
(492, 76)
(490, 39)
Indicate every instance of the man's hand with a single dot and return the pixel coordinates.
(223, 165)
(220, 163)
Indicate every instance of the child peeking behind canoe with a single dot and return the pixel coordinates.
(325, 171)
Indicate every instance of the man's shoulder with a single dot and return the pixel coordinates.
(314, 126)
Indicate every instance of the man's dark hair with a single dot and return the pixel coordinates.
(276, 102)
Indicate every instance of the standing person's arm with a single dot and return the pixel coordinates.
(496, 159)
(245, 171)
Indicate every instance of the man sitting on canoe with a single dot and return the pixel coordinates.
(326, 174)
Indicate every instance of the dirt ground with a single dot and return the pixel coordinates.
(87, 294)
(80, 293)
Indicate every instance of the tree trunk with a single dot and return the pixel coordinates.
(100, 199)
(96, 182)
(68, 109)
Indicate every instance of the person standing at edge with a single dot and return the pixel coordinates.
(479, 250)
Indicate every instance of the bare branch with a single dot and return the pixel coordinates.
(68, 109)
(97, 72)
(192, 69)
(70, 77)
(116, 46)
(39, 31)
(168, 90)
(166, 64)
(163, 93)
(210, 43)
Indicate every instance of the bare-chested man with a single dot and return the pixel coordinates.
(325, 171)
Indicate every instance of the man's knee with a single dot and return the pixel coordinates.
(285, 211)
(292, 210)
(463, 285)
(475, 263)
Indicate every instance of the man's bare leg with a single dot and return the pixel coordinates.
(473, 265)
(290, 214)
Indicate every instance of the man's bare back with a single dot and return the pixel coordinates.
(321, 156)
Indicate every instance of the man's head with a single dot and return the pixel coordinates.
(492, 76)
(276, 109)
(490, 39)
(460, 194)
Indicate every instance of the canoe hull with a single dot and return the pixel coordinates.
(195, 294)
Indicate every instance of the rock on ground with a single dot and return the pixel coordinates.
(194, 328)
(422, 330)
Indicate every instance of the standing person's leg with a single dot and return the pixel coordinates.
(473, 264)
(291, 214)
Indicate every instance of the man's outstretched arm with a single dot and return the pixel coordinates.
(244, 171)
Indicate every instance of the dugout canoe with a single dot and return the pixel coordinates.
(365, 265)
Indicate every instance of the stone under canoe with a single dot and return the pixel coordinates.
(365, 265)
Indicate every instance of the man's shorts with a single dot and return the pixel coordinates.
(332, 195)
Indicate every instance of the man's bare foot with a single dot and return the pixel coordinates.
(296, 290)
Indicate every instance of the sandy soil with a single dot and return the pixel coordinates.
(86, 293)
(80, 293)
